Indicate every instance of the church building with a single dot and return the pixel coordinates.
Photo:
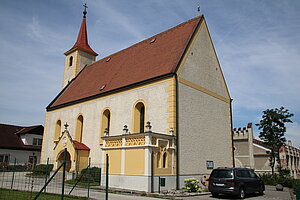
(159, 108)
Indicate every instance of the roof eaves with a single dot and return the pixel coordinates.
(58, 95)
(49, 108)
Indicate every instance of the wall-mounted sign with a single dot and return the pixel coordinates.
(209, 164)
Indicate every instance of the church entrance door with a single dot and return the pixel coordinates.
(61, 159)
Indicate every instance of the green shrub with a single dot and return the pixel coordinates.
(42, 169)
(92, 175)
(282, 178)
(192, 185)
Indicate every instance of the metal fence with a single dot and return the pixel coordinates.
(32, 179)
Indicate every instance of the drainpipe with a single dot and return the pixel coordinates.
(177, 135)
(232, 145)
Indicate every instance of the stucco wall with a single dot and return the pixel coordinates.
(22, 156)
(27, 139)
(204, 132)
(121, 106)
(204, 109)
(241, 148)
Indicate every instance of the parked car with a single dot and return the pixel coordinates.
(235, 181)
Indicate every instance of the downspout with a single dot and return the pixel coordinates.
(232, 145)
(152, 181)
(177, 134)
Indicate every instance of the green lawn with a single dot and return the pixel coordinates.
(24, 195)
(85, 184)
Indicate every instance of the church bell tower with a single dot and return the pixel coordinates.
(80, 55)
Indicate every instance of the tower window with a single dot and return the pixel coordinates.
(71, 61)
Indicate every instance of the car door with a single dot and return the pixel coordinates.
(254, 181)
(245, 179)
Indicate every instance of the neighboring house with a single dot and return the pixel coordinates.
(20, 144)
(290, 159)
(158, 108)
(252, 153)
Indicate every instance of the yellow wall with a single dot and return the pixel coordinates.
(83, 159)
(157, 167)
(114, 161)
(134, 161)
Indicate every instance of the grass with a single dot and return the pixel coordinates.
(24, 195)
(72, 182)
(35, 175)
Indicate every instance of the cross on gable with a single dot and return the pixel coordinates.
(66, 126)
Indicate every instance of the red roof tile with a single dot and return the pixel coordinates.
(9, 136)
(80, 146)
(82, 40)
(143, 61)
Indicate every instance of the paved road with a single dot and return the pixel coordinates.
(27, 184)
(269, 194)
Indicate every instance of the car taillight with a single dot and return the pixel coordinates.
(231, 180)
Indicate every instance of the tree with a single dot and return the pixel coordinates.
(273, 131)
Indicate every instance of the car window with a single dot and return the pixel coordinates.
(242, 174)
(221, 174)
(238, 173)
(245, 173)
(252, 174)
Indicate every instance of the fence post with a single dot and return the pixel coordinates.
(46, 173)
(13, 176)
(89, 174)
(106, 187)
(64, 174)
(100, 176)
(159, 184)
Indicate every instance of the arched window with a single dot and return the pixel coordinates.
(79, 128)
(165, 160)
(57, 130)
(105, 123)
(139, 118)
(71, 61)
(158, 160)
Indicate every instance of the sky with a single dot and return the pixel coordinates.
(257, 43)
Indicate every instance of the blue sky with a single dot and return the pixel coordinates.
(257, 42)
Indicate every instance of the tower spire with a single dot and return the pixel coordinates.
(82, 38)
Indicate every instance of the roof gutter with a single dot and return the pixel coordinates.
(50, 108)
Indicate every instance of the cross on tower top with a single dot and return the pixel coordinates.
(84, 11)
(66, 126)
(198, 10)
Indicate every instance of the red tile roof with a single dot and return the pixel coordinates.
(9, 136)
(82, 40)
(152, 58)
(80, 146)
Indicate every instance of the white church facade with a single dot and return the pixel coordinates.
(158, 108)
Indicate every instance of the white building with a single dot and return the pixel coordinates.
(20, 144)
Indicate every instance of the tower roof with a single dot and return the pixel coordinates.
(82, 40)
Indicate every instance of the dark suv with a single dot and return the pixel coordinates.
(234, 181)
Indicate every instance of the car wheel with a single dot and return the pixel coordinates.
(241, 194)
(214, 194)
(261, 190)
